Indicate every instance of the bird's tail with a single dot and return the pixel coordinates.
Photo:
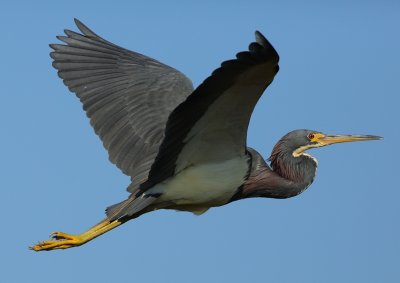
(115, 208)
(134, 206)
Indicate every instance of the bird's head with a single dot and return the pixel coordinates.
(288, 158)
(298, 141)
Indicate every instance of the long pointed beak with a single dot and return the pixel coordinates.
(331, 139)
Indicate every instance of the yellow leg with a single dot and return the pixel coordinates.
(62, 240)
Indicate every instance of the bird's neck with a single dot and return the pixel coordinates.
(299, 169)
(289, 176)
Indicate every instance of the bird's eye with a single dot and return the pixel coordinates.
(310, 136)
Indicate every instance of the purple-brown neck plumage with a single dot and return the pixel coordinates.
(288, 177)
(300, 169)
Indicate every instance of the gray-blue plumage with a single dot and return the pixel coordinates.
(184, 149)
(127, 96)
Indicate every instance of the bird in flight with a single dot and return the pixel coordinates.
(184, 149)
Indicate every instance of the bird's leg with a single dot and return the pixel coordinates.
(62, 240)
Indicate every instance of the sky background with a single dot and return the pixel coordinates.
(339, 74)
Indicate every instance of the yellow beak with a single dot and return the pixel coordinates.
(331, 139)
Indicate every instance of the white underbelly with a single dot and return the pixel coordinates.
(204, 183)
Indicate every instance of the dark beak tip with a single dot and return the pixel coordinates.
(371, 137)
(377, 137)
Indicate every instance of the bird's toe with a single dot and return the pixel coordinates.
(59, 240)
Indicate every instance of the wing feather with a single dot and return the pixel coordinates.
(127, 96)
(211, 124)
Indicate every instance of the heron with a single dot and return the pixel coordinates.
(185, 149)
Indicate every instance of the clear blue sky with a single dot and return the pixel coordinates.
(339, 74)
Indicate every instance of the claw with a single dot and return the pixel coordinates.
(59, 240)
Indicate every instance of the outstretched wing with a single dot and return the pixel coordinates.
(127, 96)
(211, 125)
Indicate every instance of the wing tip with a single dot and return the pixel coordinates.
(85, 30)
(260, 38)
(53, 46)
(81, 26)
(263, 41)
(78, 22)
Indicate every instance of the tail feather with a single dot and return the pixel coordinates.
(132, 207)
(113, 209)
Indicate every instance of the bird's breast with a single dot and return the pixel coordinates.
(204, 185)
